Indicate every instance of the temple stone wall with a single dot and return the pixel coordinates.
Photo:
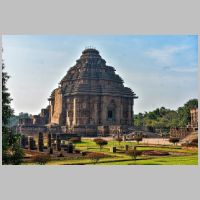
(91, 97)
(194, 117)
(93, 110)
(30, 130)
(57, 108)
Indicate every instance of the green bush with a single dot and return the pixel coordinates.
(17, 155)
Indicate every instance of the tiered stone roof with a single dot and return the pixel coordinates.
(91, 75)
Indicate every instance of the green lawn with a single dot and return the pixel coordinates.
(181, 156)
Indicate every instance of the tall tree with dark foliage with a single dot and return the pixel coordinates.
(11, 151)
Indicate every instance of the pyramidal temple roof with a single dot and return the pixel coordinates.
(91, 75)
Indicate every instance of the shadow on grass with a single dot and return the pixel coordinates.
(110, 161)
(144, 164)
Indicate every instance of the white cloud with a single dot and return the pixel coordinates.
(166, 54)
(181, 69)
(184, 69)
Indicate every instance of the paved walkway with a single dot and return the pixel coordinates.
(156, 141)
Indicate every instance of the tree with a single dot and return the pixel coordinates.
(184, 112)
(183, 117)
(163, 118)
(133, 153)
(11, 151)
(17, 154)
(138, 138)
(174, 140)
(138, 120)
(100, 142)
(119, 139)
(193, 103)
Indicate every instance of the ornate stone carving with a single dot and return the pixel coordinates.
(91, 94)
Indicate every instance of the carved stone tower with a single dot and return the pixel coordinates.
(91, 98)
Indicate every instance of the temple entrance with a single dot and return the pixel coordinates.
(111, 111)
(110, 114)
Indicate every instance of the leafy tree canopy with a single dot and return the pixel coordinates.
(163, 118)
(11, 151)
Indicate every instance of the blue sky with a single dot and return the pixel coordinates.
(161, 70)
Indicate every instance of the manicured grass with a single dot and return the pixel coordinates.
(181, 156)
(178, 160)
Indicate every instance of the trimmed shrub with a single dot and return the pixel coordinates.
(119, 139)
(41, 159)
(138, 138)
(75, 139)
(155, 153)
(77, 151)
(174, 140)
(133, 153)
(60, 154)
(100, 142)
(95, 157)
(83, 153)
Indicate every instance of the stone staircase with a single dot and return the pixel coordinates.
(189, 137)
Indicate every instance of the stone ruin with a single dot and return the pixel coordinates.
(179, 132)
(32, 144)
(91, 99)
(194, 119)
(41, 142)
(58, 143)
(182, 132)
(53, 143)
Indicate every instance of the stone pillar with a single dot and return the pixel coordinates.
(74, 111)
(31, 143)
(70, 148)
(41, 142)
(121, 111)
(49, 140)
(126, 147)
(113, 149)
(105, 130)
(58, 143)
(118, 111)
(124, 137)
(50, 150)
(23, 141)
(129, 112)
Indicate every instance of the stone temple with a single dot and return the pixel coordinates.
(91, 98)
